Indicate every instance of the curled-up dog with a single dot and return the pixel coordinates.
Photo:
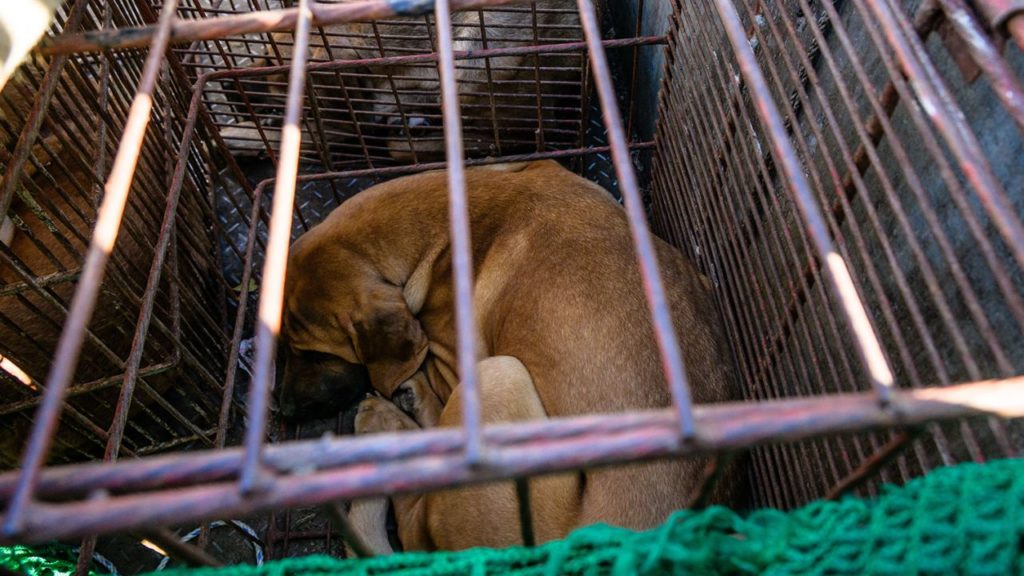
(562, 330)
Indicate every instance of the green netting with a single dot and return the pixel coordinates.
(966, 519)
(51, 560)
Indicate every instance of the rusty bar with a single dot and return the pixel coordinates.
(634, 66)
(986, 55)
(30, 131)
(276, 258)
(539, 104)
(868, 347)
(84, 300)
(87, 551)
(243, 303)
(83, 565)
(412, 168)
(661, 319)
(432, 57)
(79, 389)
(872, 464)
(945, 115)
(100, 165)
(462, 255)
(175, 548)
(490, 82)
(536, 447)
(153, 282)
(262, 21)
(713, 470)
(767, 421)
(512, 158)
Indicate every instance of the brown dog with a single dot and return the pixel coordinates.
(563, 330)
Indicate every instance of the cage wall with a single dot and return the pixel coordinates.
(933, 264)
(904, 148)
(53, 180)
(376, 113)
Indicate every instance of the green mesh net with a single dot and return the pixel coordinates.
(966, 519)
(51, 560)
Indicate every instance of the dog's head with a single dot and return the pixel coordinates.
(345, 329)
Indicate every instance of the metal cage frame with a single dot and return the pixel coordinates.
(88, 499)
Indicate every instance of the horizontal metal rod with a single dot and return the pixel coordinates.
(335, 65)
(185, 31)
(320, 471)
(413, 168)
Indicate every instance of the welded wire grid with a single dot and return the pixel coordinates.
(61, 121)
(920, 202)
(384, 107)
(228, 483)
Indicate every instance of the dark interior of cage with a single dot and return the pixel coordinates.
(937, 279)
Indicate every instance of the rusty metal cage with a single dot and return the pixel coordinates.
(62, 118)
(845, 171)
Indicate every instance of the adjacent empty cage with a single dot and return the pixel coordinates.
(847, 173)
(62, 119)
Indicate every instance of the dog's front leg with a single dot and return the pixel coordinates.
(369, 515)
(417, 399)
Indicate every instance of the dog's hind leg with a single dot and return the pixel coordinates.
(488, 515)
(368, 518)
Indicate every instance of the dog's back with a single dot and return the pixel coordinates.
(557, 285)
(577, 317)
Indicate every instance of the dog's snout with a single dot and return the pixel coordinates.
(419, 122)
(410, 121)
(316, 385)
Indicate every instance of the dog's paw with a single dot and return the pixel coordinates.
(417, 399)
(378, 415)
(404, 398)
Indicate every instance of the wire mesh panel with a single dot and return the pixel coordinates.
(917, 171)
(60, 127)
(382, 106)
(821, 161)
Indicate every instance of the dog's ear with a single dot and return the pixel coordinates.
(388, 340)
